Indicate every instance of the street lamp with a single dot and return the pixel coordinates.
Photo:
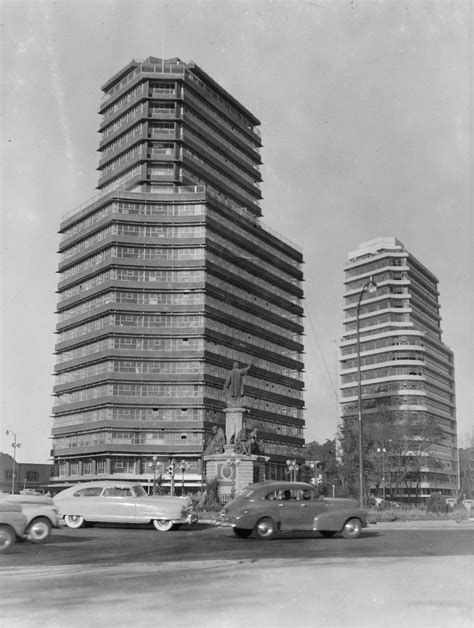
(383, 451)
(370, 287)
(182, 465)
(155, 465)
(14, 445)
(293, 469)
(233, 462)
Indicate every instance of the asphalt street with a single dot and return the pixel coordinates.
(119, 576)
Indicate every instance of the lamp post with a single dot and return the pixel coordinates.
(155, 465)
(370, 286)
(383, 451)
(233, 462)
(15, 445)
(293, 469)
(182, 465)
(171, 470)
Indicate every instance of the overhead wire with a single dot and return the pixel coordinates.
(333, 387)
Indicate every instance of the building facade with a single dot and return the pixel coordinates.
(166, 278)
(27, 476)
(406, 371)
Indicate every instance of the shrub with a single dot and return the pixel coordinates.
(211, 501)
(436, 503)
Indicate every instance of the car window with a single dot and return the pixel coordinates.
(92, 491)
(307, 494)
(139, 491)
(117, 491)
(246, 492)
(272, 495)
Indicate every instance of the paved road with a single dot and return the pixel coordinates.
(121, 576)
(115, 544)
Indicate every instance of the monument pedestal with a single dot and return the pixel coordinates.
(234, 471)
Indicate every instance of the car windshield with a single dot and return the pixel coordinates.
(245, 492)
(139, 490)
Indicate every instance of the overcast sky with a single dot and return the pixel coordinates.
(366, 126)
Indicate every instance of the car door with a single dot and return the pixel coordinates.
(288, 510)
(117, 505)
(83, 502)
(298, 510)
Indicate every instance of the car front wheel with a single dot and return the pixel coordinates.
(39, 530)
(74, 521)
(352, 528)
(163, 525)
(243, 533)
(265, 528)
(7, 538)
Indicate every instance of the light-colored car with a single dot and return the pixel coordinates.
(122, 502)
(269, 507)
(12, 524)
(40, 512)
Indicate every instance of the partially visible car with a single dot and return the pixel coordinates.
(12, 524)
(40, 512)
(122, 502)
(269, 507)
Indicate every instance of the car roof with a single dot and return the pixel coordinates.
(103, 483)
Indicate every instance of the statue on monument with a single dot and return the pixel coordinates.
(216, 443)
(248, 445)
(234, 385)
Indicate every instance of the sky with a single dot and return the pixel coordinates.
(366, 121)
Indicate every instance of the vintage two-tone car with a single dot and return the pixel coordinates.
(122, 502)
(12, 524)
(269, 507)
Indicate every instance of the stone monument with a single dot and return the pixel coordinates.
(236, 459)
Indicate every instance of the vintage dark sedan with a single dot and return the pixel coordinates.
(122, 502)
(269, 507)
(40, 513)
(12, 524)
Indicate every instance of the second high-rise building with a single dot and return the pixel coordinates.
(406, 371)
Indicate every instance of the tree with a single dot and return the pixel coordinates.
(408, 440)
(466, 472)
(325, 455)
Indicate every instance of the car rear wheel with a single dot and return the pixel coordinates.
(7, 538)
(352, 528)
(74, 521)
(243, 533)
(328, 533)
(265, 528)
(163, 525)
(39, 530)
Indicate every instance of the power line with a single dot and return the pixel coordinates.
(334, 390)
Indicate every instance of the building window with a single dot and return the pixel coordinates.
(8, 475)
(32, 476)
(123, 465)
(87, 467)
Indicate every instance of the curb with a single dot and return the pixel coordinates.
(423, 525)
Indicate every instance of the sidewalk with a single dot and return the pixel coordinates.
(447, 524)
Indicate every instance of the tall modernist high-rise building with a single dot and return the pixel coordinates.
(405, 368)
(166, 278)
